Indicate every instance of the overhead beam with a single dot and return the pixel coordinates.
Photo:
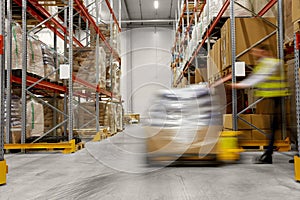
(126, 9)
(53, 20)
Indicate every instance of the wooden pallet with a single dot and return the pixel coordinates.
(280, 145)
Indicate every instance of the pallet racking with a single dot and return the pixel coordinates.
(61, 23)
(212, 29)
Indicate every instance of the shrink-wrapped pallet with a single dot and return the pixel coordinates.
(85, 66)
(48, 59)
(16, 46)
(35, 118)
(35, 63)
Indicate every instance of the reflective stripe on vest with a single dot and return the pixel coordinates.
(275, 85)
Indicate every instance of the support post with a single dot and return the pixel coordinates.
(233, 50)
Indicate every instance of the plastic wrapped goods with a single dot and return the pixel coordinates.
(35, 63)
(35, 118)
(48, 59)
(16, 46)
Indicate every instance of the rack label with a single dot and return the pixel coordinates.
(64, 71)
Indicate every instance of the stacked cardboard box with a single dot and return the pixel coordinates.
(261, 121)
(110, 116)
(215, 59)
(288, 22)
(295, 10)
(84, 115)
(248, 32)
(85, 65)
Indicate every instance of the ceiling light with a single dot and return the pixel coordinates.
(156, 4)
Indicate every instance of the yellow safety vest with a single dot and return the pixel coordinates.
(275, 85)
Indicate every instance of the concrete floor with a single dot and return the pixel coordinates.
(115, 169)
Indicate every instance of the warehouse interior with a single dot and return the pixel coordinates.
(153, 99)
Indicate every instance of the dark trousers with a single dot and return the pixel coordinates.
(275, 123)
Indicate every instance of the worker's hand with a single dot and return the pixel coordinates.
(237, 85)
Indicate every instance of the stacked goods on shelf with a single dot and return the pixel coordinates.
(295, 10)
(246, 130)
(48, 59)
(85, 65)
(261, 121)
(35, 118)
(107, 116)
(119, 117)
(110, 116)
(49, 122)
(248, 32)
(34, 52)
(16, 107)
(16, 46)
(113, 76)
(15, 122)
(115, 39)
(183, 121)
(296, 15)
(102, 68)
(84, 115)
(200, 75)
(35, 57)
(288, 22)
(105, 30)
(214, 63)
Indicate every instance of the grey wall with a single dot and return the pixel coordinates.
(146, 56)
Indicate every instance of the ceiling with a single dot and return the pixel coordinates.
(135, 13)
(143, 12)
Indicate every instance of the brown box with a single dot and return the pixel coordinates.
(256, 135)
(227, 122)
(297, 26)
(198, 76)
(248, 32)
(178, 141)
(245, 135)
(265, 107)
(296, 10)
(261, 121)
(288, 23)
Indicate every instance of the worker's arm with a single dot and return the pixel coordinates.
(269, 66)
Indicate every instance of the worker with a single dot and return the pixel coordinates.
(269, 82)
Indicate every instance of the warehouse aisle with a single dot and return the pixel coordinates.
(100, 171)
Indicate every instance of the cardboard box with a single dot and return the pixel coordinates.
(248, 32)
(265, 107)
(245, 135)
(198, 77)
(288, 23)
(178, 141)
(261, 121)
(256, 135)
(295, 10)
(227, 122)
(296, 26)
